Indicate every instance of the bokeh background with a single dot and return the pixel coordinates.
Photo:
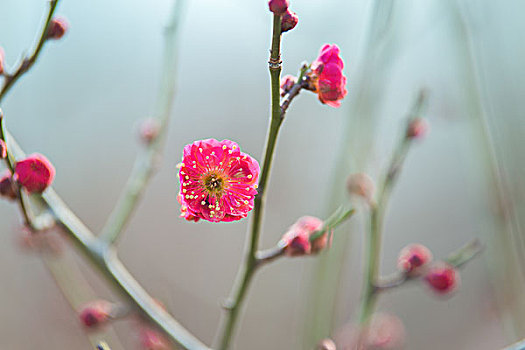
(81, 103)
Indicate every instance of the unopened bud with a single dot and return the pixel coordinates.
(149, 130)
(385, 332)
(278, 6)
(297, 239)
(289, 21)
(412, 257)
(362, 185)
(2, 59)
(96, 313)
(152, 339)
(417, 128)
(287, 82)
(34, 173)
(3, 149)
(443, 278)
(326, 344)
(8, 187)
(57, 28)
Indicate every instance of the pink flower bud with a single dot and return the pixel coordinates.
(412, 257)
(152, 339)
(362, 185)
(289, 21)
(8, 187)
(326, 77)
(3, 149)
(34, 173)
(326, 344)
(443, 278)
(278, 6)
(287, 82)
(297, 239)
(57, 28)
(149, 130)
(2, 58)
(96, 313)
(417, 128)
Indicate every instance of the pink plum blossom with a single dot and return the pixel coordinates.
(327, 78)
(218, 181)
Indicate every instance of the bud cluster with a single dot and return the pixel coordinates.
(415, 260)
(297, 241)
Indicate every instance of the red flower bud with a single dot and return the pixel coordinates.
(35, 173)
(57, 28)
(3, 149)
(2, 58)
(412, 257)
(288, 21)
(297, 239)
(442, 278)
(287, 82)
(278, 6)
(8, 187)
(417, 128)
(95, 313)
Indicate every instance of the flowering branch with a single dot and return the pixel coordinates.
(96, 250)
(249, 265)
(457, 259)
(373, 249)
(338, 217)
(28, 62)
(105, 258)
(145, 162)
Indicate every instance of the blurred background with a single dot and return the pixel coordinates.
(81, 102)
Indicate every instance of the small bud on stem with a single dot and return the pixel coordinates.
(57, 28)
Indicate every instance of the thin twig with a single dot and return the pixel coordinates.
(377, 211)
(339, 216)
(27, 62)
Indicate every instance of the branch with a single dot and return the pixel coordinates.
(337, 218)
(105, 259)
(28, 62)
(377, 211)
(145, 162)
(458, 259)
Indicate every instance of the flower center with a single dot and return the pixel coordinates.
(213, 183)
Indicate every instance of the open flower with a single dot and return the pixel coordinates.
(326, 76)
(218, 181)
